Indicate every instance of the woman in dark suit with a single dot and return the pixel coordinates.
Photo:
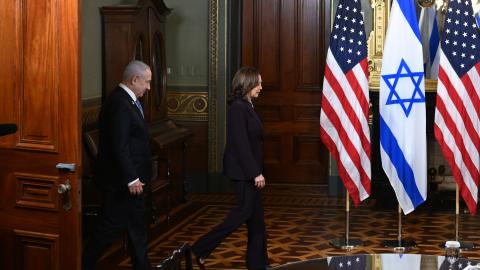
(243, 163)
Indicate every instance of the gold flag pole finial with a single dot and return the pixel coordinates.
(426, 3)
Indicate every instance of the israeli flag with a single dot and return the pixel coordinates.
(430, 40)
(402, 107)
(401, 261)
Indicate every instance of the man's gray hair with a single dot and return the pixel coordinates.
(134, 68)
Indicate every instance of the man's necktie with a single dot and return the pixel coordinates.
(139, 106)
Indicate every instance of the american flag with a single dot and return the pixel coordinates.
(345, 102)
(457, 123)
(352, 262)
(462, 263)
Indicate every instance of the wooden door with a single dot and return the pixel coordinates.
(287, 41)
(39, 91)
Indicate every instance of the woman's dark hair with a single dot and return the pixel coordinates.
(244, 80)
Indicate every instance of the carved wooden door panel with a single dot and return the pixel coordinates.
(40, 92)
(156, 99)
(287, 41)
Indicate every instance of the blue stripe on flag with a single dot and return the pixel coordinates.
(404, 171)
(434, 40)
(408, 9)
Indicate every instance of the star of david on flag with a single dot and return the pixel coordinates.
(402, 108)
(392, 81)
(401, 261)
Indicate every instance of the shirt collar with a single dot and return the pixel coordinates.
(129, 91)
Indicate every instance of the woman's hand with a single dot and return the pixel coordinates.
(260, 181)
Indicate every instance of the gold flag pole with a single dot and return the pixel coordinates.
(463, 245)
(457, 211)
(399, 245)
(346, 243)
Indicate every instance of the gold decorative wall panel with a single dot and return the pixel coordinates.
(192, 106)
(213, 68)
(376, 40)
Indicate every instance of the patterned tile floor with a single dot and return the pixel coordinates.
(300, 227)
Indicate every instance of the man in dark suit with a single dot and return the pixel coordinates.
(124, 168)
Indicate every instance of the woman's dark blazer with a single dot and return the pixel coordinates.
(124, 149)
(243, 157)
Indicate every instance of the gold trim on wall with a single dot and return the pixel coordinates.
(192, 106)
(376, 262)
(212, 82)
(376, 40)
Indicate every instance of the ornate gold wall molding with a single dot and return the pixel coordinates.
(376, 41)
(212, 82)
(192, 106)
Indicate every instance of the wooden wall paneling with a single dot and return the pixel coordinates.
(37, 192)
(247, 32)
(273, 149)
(197, 150)
(36, 250)
(159, 84)
(307, 49)
(267, 37)
(287, 48)
(118, 37)
(39, 78)
(306, 150)
(306, 112)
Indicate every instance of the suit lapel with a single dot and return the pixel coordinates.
(139, 113)
(133, 105)
(253, 113)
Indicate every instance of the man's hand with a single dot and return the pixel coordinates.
(136, 188)
(260, 181)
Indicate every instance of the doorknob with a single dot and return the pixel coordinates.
(64, 190)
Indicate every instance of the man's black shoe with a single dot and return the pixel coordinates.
(200, 262)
